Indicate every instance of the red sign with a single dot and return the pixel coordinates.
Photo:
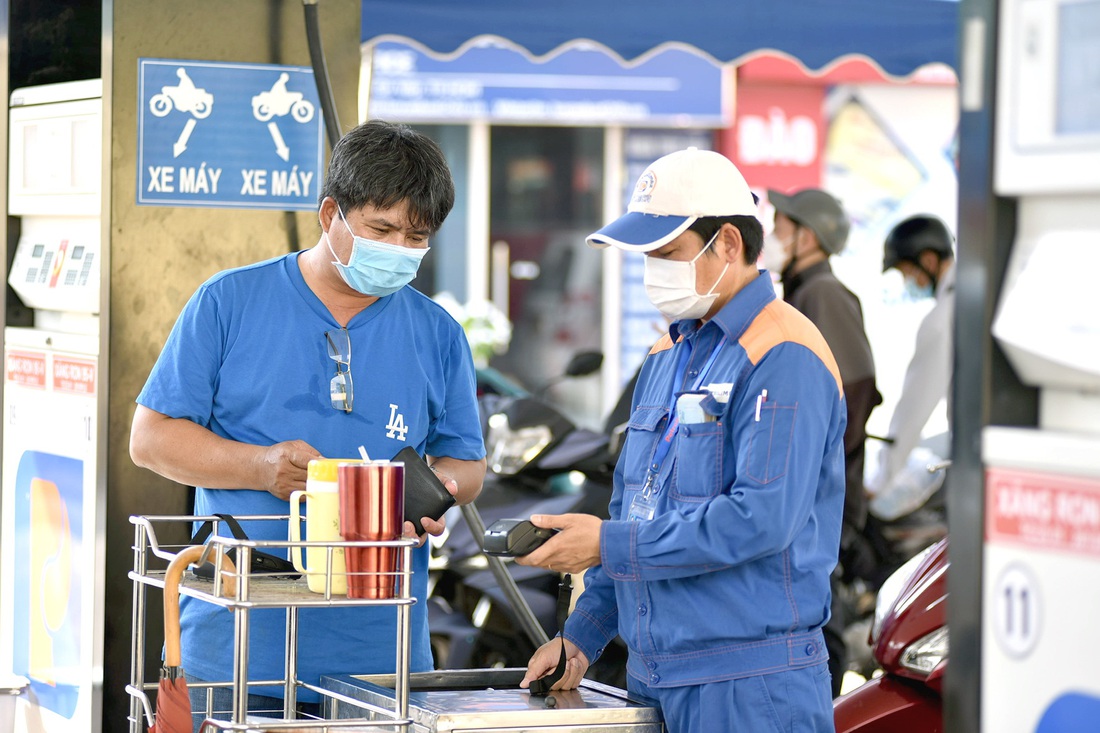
(26, 368)
(778, 137)
(74, 375)
(1043, 510)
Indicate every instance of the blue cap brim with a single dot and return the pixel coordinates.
(638, 232)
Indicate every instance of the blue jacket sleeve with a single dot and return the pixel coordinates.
(594, 621)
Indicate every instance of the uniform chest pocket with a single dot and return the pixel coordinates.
(770, 442)
(642, 432)
(699, 456)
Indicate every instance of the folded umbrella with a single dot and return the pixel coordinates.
(173, 700)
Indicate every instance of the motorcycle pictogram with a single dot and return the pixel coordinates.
(278, 101)
(185, 97)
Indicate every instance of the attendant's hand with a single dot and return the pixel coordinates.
(545, 660)
(284, 466)
(574, 548)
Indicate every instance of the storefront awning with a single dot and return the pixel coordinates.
(899, 36)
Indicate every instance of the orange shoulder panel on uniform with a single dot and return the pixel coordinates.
(663, 344)
(780, 322)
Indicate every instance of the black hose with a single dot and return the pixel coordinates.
(320, 72)
(526, 617)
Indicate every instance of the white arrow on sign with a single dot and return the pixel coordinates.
(280, 146)
(181, 143)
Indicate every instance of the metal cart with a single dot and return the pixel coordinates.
(254, 591)
(484, 700)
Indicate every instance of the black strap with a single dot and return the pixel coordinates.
(541, 686)
(208, 527)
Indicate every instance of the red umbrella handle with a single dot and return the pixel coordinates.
(179, 563)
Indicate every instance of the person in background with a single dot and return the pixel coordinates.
(726, 509)
(313, 354)
(921, 249)
(810, 227)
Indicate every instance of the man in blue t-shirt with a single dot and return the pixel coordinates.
(312, 355)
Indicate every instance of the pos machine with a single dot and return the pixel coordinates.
(1041, 578)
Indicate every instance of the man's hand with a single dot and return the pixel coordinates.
(574, 548)
(283, 467)
(545, 660)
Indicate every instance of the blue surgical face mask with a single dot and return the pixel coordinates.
(915, 291)
(377, 268)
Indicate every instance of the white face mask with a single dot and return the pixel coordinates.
(670, 285)
(774, 254)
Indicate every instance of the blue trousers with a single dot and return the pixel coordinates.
(795, 701)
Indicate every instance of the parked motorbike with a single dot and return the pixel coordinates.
(539, 462)
(909, 639)
(887, 543)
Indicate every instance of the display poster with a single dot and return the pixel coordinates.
(49, 563)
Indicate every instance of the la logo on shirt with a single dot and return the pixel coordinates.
(396, 427)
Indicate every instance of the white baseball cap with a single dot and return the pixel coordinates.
(671, 194)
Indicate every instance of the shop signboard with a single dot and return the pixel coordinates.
(496, 83)
(779, 137)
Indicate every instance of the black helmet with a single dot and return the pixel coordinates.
(817, 211)
(914, 235)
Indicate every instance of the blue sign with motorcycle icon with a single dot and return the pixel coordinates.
(228, 135)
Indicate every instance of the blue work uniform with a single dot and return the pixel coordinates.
(720, 590)
(248, 359)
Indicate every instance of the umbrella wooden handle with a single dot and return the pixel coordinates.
(179, 563)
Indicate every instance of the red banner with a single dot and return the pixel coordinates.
(26, 368)
(778, 138)
(74, 375)
(1043, 510)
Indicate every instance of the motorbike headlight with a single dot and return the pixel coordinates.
(891, 589)
(925, 653)
(511, 450)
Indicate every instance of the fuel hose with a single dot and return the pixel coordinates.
(320, 72)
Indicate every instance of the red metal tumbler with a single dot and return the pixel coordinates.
(372, 508)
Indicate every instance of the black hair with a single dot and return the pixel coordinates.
(752, 232)
(382, 164)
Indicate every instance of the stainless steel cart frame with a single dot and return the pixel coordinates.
(254, 591)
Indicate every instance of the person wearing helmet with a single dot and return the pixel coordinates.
(810, 227)
(921, 248)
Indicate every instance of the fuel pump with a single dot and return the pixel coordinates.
(51, 553)
(1041, 564)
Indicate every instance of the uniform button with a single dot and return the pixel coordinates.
(809, 650)
(621, 570)
(651, 665)
(655, 678)
(643, 610)
(693, 373)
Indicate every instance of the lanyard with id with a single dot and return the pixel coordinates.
(644, 505)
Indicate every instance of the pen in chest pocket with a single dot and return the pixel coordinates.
(760, 400)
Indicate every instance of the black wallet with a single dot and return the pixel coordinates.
(425, 495)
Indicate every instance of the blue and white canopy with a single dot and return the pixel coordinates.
(899, 36)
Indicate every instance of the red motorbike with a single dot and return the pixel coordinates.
(909, 642)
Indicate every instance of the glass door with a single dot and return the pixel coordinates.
(546, 189)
